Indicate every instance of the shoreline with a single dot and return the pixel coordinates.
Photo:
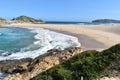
(44, 40)
(92, 37)
(86, 41)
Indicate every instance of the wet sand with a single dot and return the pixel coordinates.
(86, 41)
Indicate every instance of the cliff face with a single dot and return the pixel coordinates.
(26, 19)
(42, 63)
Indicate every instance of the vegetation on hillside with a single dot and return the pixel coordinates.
(25, 19)
(88, 65)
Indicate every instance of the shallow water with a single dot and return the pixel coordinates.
(18, 43)
(13, 39)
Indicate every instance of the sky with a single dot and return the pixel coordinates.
(61, 10)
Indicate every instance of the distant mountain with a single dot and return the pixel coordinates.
(26, 19)
(106, 21)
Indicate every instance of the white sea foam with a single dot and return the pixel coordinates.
(45, 40)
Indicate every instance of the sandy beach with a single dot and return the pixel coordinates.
(96, 37)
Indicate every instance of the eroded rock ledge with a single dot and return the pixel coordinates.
(31, 68)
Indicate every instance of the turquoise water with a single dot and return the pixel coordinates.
(18, 43)
(13, 39)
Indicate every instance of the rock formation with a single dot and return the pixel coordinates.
(41, 63)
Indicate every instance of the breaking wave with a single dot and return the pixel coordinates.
(44, 41)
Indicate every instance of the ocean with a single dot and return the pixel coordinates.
(66, 22)
(80, 23)
(18, 43)
(13, 39)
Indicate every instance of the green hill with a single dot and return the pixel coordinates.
(89, 65)
(25, 19)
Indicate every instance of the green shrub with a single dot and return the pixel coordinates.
(88, 64)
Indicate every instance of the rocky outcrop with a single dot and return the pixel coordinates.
(16, 76)
(42, 63)
(9, 66)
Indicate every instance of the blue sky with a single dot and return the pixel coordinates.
(61, 10)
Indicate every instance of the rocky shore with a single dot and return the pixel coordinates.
(26, 69)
